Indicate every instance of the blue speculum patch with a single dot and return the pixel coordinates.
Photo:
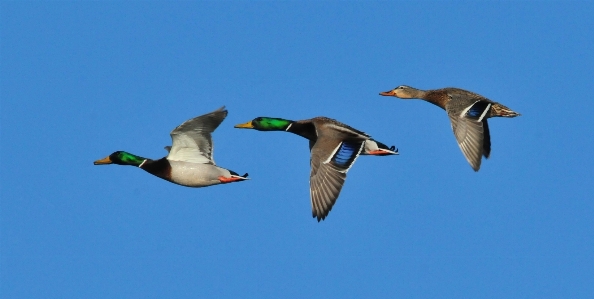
(346, 154)
(477, 109)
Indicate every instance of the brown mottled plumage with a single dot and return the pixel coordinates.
(468, 113)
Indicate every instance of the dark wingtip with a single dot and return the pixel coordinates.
(245, 175)
(319, 218)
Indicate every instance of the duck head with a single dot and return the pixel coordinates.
(266, 124)
(121, 158)
(403, 92)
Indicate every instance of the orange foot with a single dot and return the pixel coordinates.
(231, 179)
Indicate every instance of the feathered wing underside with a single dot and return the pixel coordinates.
(192, 141)
(328, 172)
(486, 140)
(471, 130)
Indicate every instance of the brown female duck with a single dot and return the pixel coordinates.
(468, 113)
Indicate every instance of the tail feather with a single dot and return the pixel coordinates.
(376, 148)
(498, 110)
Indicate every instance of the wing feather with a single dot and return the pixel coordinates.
(192, 140)
(469, 134)
(468, 116)
(330, 161)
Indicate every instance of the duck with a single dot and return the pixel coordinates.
(468, 113)
(189, 161)
(334, 147)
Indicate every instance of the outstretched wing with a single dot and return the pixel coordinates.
(330, 161)
(469, 123)
(192, 141)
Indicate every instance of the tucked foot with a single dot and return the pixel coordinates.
(233, 178)
(384, 152)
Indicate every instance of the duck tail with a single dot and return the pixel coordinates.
(376, 148)
(498, 110)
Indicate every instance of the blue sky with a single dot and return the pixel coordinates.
(80, 80)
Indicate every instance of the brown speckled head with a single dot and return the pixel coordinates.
(404, 92)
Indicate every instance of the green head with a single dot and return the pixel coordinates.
(266, 124)
(121, 158)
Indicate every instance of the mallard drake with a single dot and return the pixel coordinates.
(334, 148)
(189, 162)
(468, 114)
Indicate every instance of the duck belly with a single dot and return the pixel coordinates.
(196, 175)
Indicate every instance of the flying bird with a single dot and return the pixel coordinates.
(189, 162)
(468, 113)
(334, 148)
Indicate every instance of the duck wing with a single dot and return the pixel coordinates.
(328, 172)
(192, 141)
(332, 155)
(469, 123)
